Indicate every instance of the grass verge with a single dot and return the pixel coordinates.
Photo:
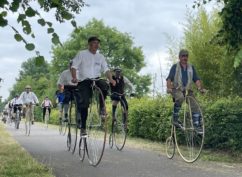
(206, 154)
(16, 162)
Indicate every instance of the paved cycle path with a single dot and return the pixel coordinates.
(49, 148)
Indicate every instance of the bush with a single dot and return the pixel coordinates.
(223, 121)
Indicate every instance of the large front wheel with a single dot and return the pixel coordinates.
(189, 140)
(96, 128)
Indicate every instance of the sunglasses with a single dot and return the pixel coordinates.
(184, 55)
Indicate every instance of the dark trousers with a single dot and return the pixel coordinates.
(44, 111)
(84, 95)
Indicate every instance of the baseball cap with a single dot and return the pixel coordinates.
(93, 38)
(183, 52)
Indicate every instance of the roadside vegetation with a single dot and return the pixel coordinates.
(16, 162)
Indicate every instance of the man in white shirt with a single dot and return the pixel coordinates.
(46, 104)
(90, 65)
(64, 82)
(29, 98)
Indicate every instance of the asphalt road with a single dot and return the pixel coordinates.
(49, 148)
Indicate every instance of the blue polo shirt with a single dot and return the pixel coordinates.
(60, 96)
(172, 74)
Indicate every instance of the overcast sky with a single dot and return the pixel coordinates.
(147, 22)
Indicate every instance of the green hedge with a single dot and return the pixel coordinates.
(150, 119)
(224, 124)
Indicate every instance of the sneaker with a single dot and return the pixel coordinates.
(177, 124)
(65, 119)
(83, 132)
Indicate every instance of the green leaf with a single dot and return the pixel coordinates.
(39, 60)
(18, 37)
(41, 3)
(30, 46)
(66, 15)
(30, 12)
(50, 30)
(41, 21)
(3, 2)
(4, 13)
(26, 27)
(15, 5)
(55, 39)
(3, 22)
(21, 17)
(49, 24)
(73, 22)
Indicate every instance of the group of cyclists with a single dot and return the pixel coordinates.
(91, 64)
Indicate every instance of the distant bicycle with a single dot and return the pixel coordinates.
(47, 117)
(17, 116)
(28, 118)
(189, 139)
(118, 133)
(72, 130)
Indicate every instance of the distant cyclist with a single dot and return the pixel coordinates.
(29, 98)
(59, 94)
(46, 104)
(117, 91)
(16, 104)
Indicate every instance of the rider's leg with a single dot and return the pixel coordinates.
(125, 106)
(82, 98)
(44, 111)
(114, 107)
(66, 101)
(102, 84)
(178, 98)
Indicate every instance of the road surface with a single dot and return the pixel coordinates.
(49, 148)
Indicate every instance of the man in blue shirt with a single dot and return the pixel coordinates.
(180, 79)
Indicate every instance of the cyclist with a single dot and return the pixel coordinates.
(90, 64)
(180, 79)
(46, 104)
(28, 97)
(64, 81)
(59, 99)
(16, 103)
(121, 82)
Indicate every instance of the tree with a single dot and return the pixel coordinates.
(36, 76)
(213, 64)
(25, 10)
(230, 32)
(117, 47)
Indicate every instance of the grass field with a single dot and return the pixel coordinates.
(16, 162)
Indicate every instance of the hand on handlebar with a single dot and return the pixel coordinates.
(74, 80)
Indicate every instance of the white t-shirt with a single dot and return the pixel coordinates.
(15, 101)
(89, 65)
(65, 78)
(27, 98)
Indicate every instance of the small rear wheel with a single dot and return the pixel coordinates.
(170, 147)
